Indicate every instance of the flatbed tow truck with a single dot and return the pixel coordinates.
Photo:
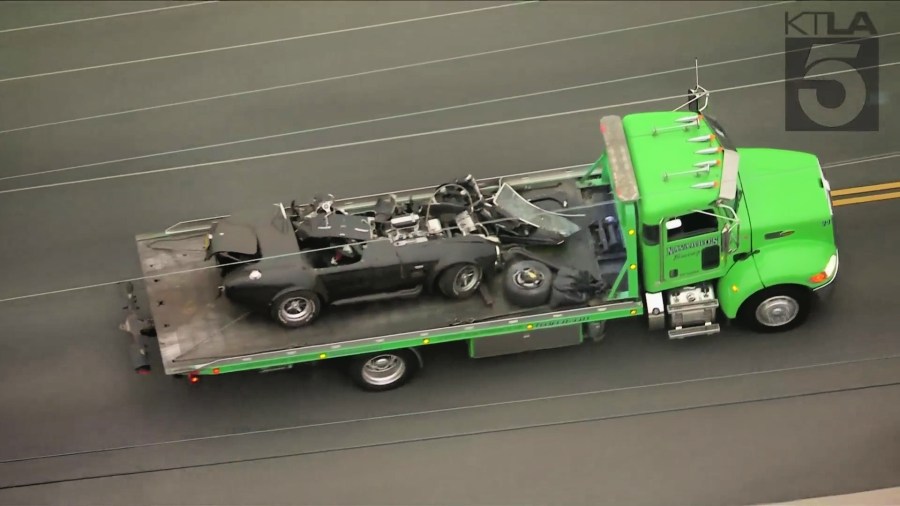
(680, 227)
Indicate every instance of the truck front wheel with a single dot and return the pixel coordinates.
(377, 372)
(776, 309)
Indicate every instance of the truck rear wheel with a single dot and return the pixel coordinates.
(377, 372)
(776, 309)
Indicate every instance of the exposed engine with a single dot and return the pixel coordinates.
(466, 224)
(412, 228)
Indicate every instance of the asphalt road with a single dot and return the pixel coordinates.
(730, 419)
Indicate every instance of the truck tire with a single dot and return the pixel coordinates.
(528, 283)
(776, 309)
(460, 281)
(595, 331)
(387, 370)
(296, 309)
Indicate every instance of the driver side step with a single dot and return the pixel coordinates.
(696, 330)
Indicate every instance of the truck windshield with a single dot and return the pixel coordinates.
(511, 204)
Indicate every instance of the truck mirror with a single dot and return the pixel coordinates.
(673, 224)
(693, 101)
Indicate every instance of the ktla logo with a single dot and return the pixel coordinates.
(831, 73)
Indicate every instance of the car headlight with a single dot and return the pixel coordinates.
(255, 274)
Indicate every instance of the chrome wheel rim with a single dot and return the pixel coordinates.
(528, 278)
(383, 369)
(777, 311)
(297, 309)
(467, 278)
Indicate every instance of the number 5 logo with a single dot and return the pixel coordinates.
(826, 88)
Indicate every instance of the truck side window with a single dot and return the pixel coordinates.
(651, 234)
(694, 224)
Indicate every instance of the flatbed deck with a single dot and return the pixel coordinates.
(196, 326)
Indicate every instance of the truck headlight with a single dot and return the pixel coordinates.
(831, 266)
(828, 272)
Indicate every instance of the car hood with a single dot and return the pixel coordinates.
(785, 192)
(253, 233)
(227, 236)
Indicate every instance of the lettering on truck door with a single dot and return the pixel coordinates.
(692, 248)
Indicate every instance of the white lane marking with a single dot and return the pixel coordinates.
(108, 16)
(186, 271)
(263, 42)
(378, 71)
(471, 407)
(406, 115)
(426, 133)
(864, 159)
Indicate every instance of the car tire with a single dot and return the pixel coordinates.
(296, 309)
(387, 370)
(527, 283)
(460, 281)
(776, 309)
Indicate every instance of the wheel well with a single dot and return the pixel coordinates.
(436, 276)
(418, 354)
(319, 291)
(783, 287)
(800, 290)
(414, 350)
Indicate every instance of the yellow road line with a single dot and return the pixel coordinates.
(865, 189)
(866, 198)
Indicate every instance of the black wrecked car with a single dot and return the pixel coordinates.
(316, 255)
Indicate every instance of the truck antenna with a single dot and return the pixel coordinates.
(696, 94)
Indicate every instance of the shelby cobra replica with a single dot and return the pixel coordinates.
(317, 255)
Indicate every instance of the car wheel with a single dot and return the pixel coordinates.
(377, 372)
(460, 281)
(776, 309)
(528, 283)
(296, 309)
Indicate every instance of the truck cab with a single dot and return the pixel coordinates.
(746, 233)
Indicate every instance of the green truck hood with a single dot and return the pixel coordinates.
(786, 196)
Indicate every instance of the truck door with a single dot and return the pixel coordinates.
(691, 248)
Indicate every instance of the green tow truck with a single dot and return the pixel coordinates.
(688, 231)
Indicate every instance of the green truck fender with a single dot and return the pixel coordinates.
(793, 263)
(737, 285)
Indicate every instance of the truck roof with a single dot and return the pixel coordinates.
(670, 152)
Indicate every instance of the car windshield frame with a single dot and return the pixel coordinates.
(509, 202)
